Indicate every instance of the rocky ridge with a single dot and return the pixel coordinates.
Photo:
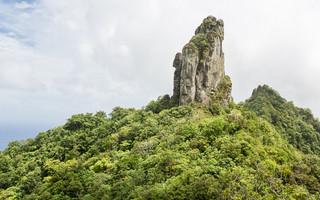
(200, 67)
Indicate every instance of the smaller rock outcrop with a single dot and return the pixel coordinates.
(177, 63)
(200, 67)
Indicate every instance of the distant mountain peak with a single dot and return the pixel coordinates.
(266, 90)
(297, 125)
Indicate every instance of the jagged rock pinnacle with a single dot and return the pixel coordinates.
(200, 66)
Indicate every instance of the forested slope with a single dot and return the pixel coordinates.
(297, 125)
(186, 152)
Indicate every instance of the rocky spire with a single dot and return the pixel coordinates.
(200, 66)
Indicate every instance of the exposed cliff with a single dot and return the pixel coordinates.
(200, 66)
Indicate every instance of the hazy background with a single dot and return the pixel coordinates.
(59, 58)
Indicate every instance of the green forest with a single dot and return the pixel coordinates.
(262, 148)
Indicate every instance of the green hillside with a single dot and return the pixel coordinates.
(297, 125)
(264, 149)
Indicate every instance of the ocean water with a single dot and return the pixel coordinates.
(20, 131)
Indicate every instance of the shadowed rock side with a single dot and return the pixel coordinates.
(177, 63)
(200, 66)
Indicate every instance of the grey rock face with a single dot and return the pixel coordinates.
(177, 63)
(200, 66)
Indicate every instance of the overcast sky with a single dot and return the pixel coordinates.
(59, 58)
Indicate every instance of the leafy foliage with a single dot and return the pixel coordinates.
(220, 98)
(162, 103)
(185, 152)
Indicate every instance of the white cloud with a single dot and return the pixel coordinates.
(24, 5)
